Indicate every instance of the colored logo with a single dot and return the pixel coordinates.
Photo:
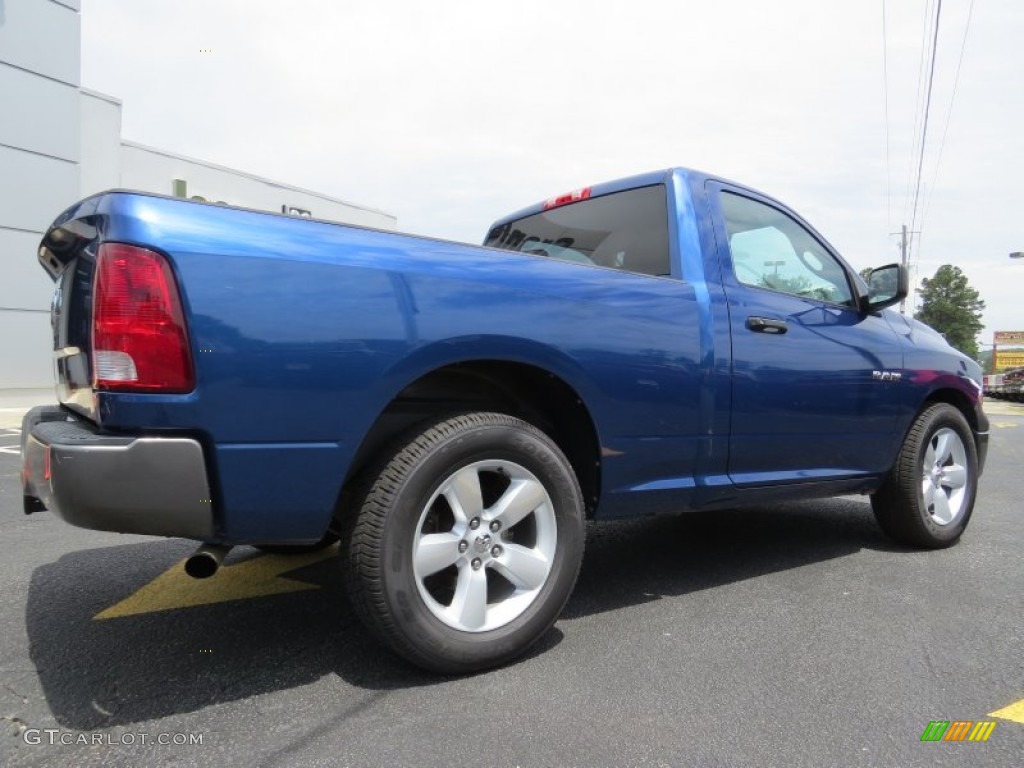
(958, 730)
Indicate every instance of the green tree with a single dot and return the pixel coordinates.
(952, 307)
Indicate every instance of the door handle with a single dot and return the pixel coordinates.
(767, 325)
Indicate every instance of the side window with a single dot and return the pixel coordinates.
(771, 250)
(624, 230)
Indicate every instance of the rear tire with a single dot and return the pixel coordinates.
(928, 498)
(467, 542)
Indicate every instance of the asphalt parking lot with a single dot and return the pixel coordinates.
(791, 635)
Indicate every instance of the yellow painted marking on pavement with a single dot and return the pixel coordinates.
(256, 577)
(1013, 712)
(1003, 424)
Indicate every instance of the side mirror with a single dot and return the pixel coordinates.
(887, 285)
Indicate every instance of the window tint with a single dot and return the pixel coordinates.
(771, 250)
(626, 230)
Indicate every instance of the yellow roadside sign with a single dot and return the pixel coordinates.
(1008, 358)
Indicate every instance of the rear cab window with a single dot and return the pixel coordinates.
(626, 230)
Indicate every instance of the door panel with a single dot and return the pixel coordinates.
(806, 403)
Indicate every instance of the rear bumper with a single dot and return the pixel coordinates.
(149, 485)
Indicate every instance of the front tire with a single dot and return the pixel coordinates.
(467, 542)
(928, 498)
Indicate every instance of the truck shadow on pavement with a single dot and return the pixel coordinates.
(631, 562)
(98, 673)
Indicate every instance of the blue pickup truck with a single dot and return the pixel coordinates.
(453, 414)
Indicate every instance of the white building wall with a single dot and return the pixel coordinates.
(39, 175)
(60, 143)
(154, 170)
(100, 139)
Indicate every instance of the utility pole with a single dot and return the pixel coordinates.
(903, 261)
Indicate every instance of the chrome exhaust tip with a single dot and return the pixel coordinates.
(205, 561)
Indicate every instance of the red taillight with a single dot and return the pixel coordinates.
(570, 197)
(139, 341)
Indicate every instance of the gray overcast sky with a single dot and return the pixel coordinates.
(453, 112)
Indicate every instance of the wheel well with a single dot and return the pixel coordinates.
(529, 393)
(958, 400)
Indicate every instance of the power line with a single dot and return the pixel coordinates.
(927, 109)
(949, 113)
(885, 78)
(917, 106)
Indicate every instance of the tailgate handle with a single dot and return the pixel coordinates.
(767, 325)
